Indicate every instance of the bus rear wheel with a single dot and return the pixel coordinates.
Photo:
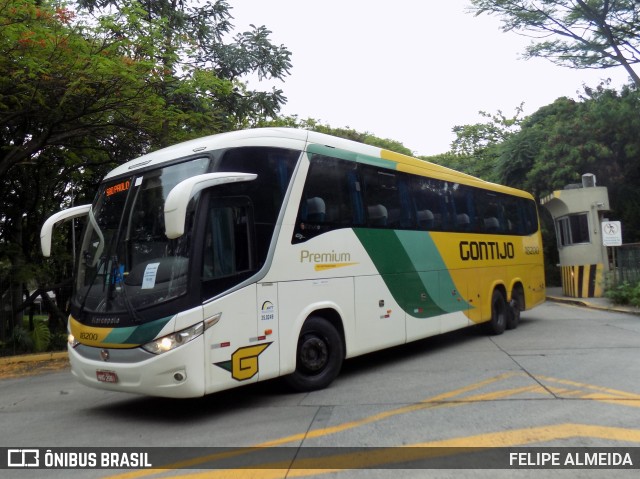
(319, 355)
(499, 313)
(513, 318)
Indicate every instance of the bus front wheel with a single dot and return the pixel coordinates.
(319, 355)
(499, 313)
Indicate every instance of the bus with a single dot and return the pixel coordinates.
(254, 254)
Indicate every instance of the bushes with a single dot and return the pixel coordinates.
(624, 293)
(36, 339)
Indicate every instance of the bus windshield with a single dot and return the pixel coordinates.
(128, 264)
(126, 260)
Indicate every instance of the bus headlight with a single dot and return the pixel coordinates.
(172, 341)
(72, 341)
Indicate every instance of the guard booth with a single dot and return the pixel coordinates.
(577, 213)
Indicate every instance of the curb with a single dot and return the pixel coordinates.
(590, 305)
(32, 358)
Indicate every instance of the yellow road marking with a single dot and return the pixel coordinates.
(419, 451)
(451, 398)
(426, 403)
(608, 391)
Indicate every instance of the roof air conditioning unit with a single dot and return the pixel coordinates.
(588, 180)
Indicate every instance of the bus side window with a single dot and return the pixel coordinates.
(408, 213)
(382, 197)
(330, 199)
(465, 211)
(531, 215)
(491, 225)
(514, 216)
(426, 220)
(490, 211)
(228, 248)
(316, 210)
(427, 203)
(377, 215)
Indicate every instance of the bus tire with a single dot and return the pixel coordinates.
(319, 355)
(499, 313)
(513, 314)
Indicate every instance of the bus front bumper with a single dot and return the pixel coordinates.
(178, 373)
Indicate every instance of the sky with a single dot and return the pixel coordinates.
(407, 70)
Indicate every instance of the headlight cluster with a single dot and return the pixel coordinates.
(73, 342)
(172, 341)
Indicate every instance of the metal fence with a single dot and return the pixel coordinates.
(628, 263)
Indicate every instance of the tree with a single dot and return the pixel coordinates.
(574, 33)
(78, 96)
(201, 71)
(560, 142)
(63, 85)
(66, 95)
(476, 148)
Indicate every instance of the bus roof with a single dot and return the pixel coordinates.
(312, 141)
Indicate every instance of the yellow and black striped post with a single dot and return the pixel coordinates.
(582, 281)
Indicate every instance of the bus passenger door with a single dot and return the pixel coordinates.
(267, 327)
(230, 343)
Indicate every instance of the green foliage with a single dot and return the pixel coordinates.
(199, 70)
(22, 340)
(81, 92)
(40, 336)
(599, 134)
(574, 33)
(136, 76)
(477, 147)
(474, 139)
(58, 341)
(625, 293)
(63, 85)
(34, 341)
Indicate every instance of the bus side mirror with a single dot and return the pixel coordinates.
(175, 207)
(46, 232)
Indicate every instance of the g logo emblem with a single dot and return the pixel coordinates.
(244, 362)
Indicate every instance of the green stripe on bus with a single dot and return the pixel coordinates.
(119, 335)
(413, 270)
(351, 156)
(137, 334)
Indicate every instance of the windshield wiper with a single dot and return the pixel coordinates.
(96, 228)
(101, 264)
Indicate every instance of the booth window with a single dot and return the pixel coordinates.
(573, 229)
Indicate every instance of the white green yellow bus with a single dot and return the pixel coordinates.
(254, 254)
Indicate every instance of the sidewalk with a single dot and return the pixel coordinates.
(604, 304)
(30, 364)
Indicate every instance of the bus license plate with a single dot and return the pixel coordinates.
(107, 376)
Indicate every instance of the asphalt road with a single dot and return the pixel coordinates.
(567, 377)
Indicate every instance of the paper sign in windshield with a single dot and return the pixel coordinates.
(149, 278)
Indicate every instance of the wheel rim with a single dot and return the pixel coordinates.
(314, 353)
